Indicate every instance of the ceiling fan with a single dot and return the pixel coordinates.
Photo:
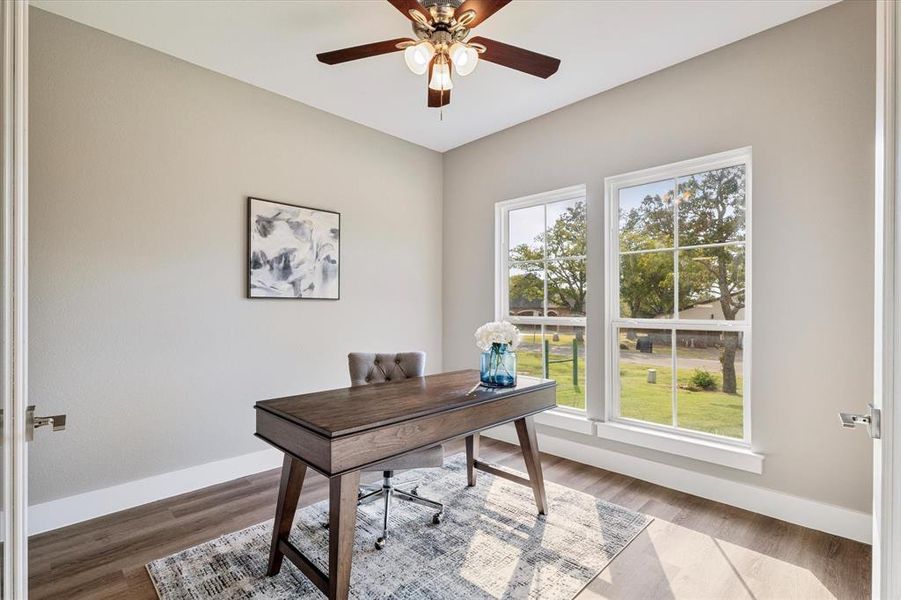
(441, 28)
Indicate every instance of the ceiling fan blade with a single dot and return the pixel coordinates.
(357, 52)
(520, 59)
(482, 8)
(405, 6)
(436, 99)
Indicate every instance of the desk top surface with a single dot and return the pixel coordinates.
(334, 413)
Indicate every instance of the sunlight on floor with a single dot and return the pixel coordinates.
(488, 551)
(668, 561)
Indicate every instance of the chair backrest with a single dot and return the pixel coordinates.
(376, 367)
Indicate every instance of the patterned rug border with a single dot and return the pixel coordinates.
(648, 520)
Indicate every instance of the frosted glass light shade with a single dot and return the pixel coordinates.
(418, 57)
(441, 77)
(464, 58)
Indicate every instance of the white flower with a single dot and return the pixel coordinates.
(497, 332)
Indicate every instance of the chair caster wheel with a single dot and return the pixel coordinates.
(380, 543)
(436, 518)
(324, 524)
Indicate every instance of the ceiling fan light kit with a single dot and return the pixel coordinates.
(464, 57)
(441, 77)
(442, 28)
(418, 56)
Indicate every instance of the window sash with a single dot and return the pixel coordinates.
(613, 319)
(503, 265)
(675, 250)
(516, 263)
(525, 320)
(691, 247)
(615, 414)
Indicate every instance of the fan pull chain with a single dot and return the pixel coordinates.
(441, 108)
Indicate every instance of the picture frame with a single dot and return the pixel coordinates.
(293, 251)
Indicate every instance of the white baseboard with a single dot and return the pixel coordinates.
(89, 505)
(832, 519)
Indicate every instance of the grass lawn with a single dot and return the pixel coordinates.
(712, 412)
(529, 362)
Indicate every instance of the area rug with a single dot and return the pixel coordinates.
(491, 544)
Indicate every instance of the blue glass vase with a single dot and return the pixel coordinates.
(498, 366)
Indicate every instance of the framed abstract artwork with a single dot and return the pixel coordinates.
(293, 251)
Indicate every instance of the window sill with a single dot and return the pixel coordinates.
(710, 451)
(724, 454)
(564, 419)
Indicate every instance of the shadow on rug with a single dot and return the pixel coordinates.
(491, 544)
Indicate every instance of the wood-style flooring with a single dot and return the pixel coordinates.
(695, 548)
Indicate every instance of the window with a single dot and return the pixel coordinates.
(541, 286)
(678, 297)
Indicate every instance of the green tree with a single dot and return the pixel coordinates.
(646, 279)
(526, 289)
(646, 285)
(711, 211)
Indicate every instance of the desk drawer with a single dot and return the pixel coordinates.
(308, 446)
(358, 450)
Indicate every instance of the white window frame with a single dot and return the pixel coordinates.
(612, 321)
(502, 271)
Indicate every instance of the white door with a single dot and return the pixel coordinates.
(16, 418)
(885, 419)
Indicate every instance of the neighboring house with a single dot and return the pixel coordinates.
(706, 311)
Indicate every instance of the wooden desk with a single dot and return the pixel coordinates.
(339, 432)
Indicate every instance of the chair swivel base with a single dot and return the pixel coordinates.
(387, 492)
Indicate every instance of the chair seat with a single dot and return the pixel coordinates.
(421, 459)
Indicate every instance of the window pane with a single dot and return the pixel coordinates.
(566, 286)
(710, 376)
(712, 207)
(646, 216)
(529, 360)
(562, 343)
(527, 290)
(646, 285)
(527, 233)
(712, 283)
(566, 228)
(646, 375)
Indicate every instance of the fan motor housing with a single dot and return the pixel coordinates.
(452, 3)
(443, 23)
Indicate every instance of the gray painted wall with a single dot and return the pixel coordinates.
(803, 96)
(140, 165)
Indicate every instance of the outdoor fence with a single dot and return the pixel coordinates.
(574, 360)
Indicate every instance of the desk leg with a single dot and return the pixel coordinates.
(528, 442)
(293, 472)
(472, 455)
(342, 519)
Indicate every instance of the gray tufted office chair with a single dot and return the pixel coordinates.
(368, 368)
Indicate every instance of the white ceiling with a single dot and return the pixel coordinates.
(272, 44)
